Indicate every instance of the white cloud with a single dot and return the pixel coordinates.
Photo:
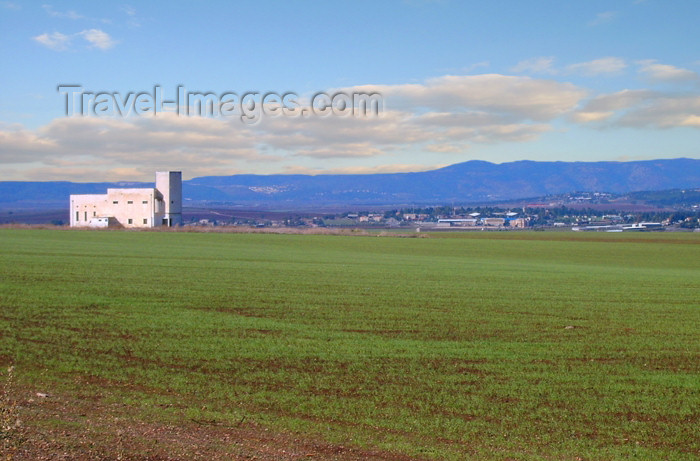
(442, 117)
(642, 109)
(104, 144)
(98, 39)
(447, 148)
(666, 73)
(609, 65)
(545, 65)
(55, 41)
(162, 136)
(541, 65)
(61, 14)
(619, 100)
(603, 18)
(510, 97)
(353, 150)
(20, 145)
(474, 66)
(590, 116)
(664, 111)
(604, 107)
(133, 20)
(215, 146)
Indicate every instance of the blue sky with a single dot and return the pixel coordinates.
(459, 80)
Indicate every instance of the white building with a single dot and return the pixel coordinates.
(143, 207)
(457, 222)
(494, 222)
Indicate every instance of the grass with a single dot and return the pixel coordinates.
(478, 345)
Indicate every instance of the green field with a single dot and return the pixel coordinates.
(458, 346)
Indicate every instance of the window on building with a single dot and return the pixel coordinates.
(94, 213)
(77, 216)
(131, 221)
(130, 202)
(86, 216)
(145, 220)
(145, 202)
(116, 202)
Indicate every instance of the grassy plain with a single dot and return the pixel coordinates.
(457, 346)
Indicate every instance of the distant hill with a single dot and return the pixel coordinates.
(463, 183)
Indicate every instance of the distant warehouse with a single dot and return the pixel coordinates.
(137, 207)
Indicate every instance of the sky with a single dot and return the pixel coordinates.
(453, 81)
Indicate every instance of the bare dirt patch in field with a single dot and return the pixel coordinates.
(62, 427)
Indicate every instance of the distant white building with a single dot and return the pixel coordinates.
(518, 222)
(495, 222)
(457, 222)
(138, 207)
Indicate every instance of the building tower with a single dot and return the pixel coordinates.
(169, 184)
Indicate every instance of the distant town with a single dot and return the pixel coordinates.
(585, 211)
(446, 218)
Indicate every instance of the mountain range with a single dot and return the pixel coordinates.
(463, 183)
